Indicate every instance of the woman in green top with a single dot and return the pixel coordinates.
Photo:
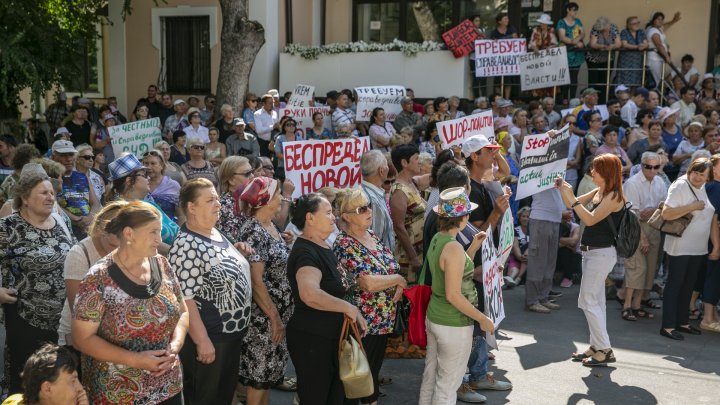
(452, 310)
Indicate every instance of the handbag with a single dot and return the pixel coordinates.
(353, 364)
(674, 227)
(419, 297)
(402, 313)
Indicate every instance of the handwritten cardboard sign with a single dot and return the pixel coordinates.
(136, 137)
(546, 68)
(461, 38)
(492, 281)
(301, 96)
(303, 117)
(314, 164)
(542, 160)
(385, 97)
(507, 237)
(498, 57)
(453, 132)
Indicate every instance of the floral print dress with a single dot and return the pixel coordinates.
(262, 363)
(107, 297)
(357, 260)
(414, 222)
(229, 223)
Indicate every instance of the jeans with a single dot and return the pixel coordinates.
(478, 361)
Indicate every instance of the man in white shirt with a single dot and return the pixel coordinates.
(629, 111)
(645, 190)
(266, 119)
(551, 116)
(686, 105)
(343, 114)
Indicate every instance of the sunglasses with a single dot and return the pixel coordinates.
(198, 147)
(651, 167)
(151, 153)
(246, 174)
(87, 157)
(361, 210)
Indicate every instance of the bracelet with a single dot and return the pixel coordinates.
(575, 204)
(287, 200)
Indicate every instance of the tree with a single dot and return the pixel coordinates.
(426, 22)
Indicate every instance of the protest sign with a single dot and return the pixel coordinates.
(498, 57)
(507, 237)
(461, 38)
(312, 165)
(135, 137)
(453, 132)
(543, 69)
(386, 97)
(301, 96)
(303, 117)
(492, 281)
(542, 160)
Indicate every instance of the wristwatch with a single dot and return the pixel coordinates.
(287, 200)
(576, 203)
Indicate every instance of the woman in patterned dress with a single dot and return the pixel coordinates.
(130, 320)
(264, 353)
(33, 246)
(630, 64)
(233, 174)
(371, 272)
(215, 282)
(197, 167)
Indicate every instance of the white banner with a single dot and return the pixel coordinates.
(546, 68)
(385, 97)
(301, 96)
(507, 237)
(136, 137)
(498, 57)
(542, 160)
(454, 132)
(314, 164)
(492, 281)
(303, 117)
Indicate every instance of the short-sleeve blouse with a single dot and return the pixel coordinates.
(602, 56)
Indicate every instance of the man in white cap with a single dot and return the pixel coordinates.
(622, 94)
(240, 142)
(177, 121)
(480, 156)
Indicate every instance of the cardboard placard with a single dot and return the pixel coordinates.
(453, 132)
(547, 68)
(386, 97)
(542, 160)
(136, 137)
(303, 117)
(492, 281)
(498, 57)
(301, 96)
(461, 38)
(507, 237)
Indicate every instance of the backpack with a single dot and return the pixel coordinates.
(627, 235)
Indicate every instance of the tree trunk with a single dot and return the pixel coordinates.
(429, 28)
(240, 41)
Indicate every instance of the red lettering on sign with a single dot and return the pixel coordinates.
(535, 143)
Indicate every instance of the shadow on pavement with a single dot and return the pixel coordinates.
(602, 389)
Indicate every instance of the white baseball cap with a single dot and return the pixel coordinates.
(475, 143)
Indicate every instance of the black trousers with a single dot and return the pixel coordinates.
(316, 365)
(682, 272)
(265, 148)
(212, 383)
(374, 346)
(22, 341)
(711, 291)
(569, 263)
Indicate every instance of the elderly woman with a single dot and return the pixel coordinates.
(655, 33)
(141, 111)
(234, 173)
(441, 107)
(630, 64)
(248, 112)
(225, 124)
(380, 130)
(452, 310)
(215, 283)
(593, 135)
(127, 355)
(81, 258)
(687, 252)
(372, 276)
(102, 140)
(172, 169)
(33, 290)
(313, 331)
(215, 151)
(543, 36)
(163, 189)
(264, 353)
(178, 153)
(431, 140)
(654, 138)
(197, 167)
(84, 164)
(519, 127)
(454, 108)
(693, 141)
(610, 135)
(289, 133)
(130, 183)
(604, 37)
(196, 129)
(642, 122)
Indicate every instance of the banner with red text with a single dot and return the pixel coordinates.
(312, 165)
(542, 160)
(385, 97)
(461, 38)
(498, 57)
(301, 96)
(453, 132)
(303, 117)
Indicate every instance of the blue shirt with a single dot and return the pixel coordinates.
(75, 194)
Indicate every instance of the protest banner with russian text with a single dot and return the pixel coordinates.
(461, 38)
(453, 132)
(507, 237)
(385, 97)
(498, 57)
(492, 281)
(135, 137)
(542, 160)
(546, 68)
(314, 164)
(301, 96)
(303, 117)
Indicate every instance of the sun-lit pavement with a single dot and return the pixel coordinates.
(534, 352)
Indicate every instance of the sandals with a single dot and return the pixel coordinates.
(582, 356)
(385, 381)
(694, 314)
(643, 313)
(289, 384)
(629, 314)
(601, 358)
(649, 304)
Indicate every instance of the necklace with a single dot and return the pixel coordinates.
(126, 270)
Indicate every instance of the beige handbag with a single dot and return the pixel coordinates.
(354, 368)
(674, 227)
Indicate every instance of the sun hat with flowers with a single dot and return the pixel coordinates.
(453, 203)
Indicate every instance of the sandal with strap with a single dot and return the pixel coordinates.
(629, 314)
(643, 313)
(601, 358)
(650, 304)
(694, 314)
(582, 356)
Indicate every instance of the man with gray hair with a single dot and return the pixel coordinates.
(551, 116)
(408, 118)
(374, 169)
(645, 190)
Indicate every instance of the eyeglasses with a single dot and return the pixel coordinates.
(198, 147)
(651, 167)
(151, 153)
(268, 168)
(361, 210)
(246, 174)
(290, 124)
(596, 120)
(87, 157)
(140, 173)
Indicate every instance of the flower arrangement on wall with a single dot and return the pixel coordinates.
(407, 48)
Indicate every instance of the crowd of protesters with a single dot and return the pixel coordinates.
(177, 274)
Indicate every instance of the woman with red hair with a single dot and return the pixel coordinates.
(599, 256)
